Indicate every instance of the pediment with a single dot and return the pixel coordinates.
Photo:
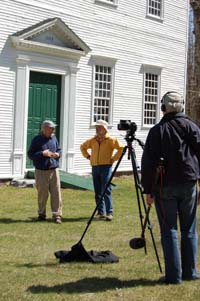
(51, 36)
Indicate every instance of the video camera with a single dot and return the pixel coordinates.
(127, 125)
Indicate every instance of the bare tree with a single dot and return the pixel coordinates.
(193, 74)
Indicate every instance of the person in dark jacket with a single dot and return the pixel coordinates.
(45, 153)
(169, 174)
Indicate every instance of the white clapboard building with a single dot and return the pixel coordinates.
(76, 61)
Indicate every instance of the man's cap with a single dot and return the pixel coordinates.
(171, 98)
(49, 124)
(103, 123)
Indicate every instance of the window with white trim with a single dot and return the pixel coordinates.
(155, 8)
(151, 98)
(103, 83)
(112, 2)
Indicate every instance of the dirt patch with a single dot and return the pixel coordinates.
(5, 182)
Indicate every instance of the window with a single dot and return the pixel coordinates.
(103, 78)
(151, 96)
(112, 2)
(155, 8)
(102, 92)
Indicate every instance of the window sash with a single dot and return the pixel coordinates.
(102, 92)
(155, 8)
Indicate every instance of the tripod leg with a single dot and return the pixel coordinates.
(152, 236)
(144, 227)
(136, 180)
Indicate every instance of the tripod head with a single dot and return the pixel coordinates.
(131, 137)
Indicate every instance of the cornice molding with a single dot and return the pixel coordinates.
(66, 44)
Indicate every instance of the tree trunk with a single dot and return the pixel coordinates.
(193, 83)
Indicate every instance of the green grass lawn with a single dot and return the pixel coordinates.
(30, 271)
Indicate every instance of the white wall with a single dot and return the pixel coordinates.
(123, 33)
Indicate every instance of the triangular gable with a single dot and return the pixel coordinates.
(51, 36)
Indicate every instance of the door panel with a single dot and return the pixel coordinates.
(44, 103)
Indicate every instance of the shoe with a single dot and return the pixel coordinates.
(100, 216)
(163, 280)
(196, 277)
(41, 218)
(57, 220)
(109, 217)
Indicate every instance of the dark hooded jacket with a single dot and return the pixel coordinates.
(180, 153)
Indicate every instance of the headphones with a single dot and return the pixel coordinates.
(163, 106)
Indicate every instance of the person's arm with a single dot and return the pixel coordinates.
(119, 147)
(193, 138)
(84, 148)
(35, 152)
(150, 160)
(57, 153)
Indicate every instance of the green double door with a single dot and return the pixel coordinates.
(44, 103)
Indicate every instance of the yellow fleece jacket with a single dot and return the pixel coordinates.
(102, 153)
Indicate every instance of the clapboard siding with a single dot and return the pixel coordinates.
(124, 33)
(6, 121)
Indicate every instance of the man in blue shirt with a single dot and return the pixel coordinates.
(170, 171)
(45, 153)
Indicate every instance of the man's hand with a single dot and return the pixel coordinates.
(55, 155)
(112, 160)
(47, 153)
(149, 200)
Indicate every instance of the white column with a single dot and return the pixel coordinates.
(20, 118)
(64, 119)
(71, 120)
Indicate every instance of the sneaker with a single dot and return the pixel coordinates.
(41, 218)
(109, 217)
(100, 216)
(57, 220)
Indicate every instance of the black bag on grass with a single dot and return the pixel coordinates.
(79, 254)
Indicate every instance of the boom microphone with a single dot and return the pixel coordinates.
(137, 243)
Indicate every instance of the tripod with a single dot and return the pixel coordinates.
(138, 242)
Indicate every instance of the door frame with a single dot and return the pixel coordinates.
(68, 69)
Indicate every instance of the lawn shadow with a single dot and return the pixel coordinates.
(31, 265)
(12, 221)
(92, 285)
(34, 219)
(75, 219)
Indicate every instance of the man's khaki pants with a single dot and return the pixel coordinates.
(48, 181)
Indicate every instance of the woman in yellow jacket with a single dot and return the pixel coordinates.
(102, 156)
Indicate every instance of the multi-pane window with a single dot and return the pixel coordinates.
(102, 93)
(151, 92)
(155, 8)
